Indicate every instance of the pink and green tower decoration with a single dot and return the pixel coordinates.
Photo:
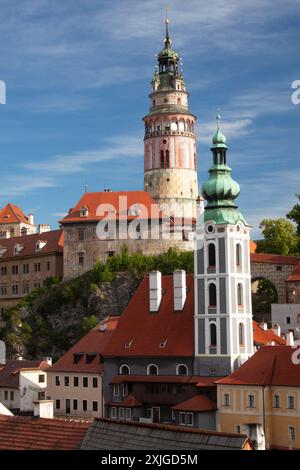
(170, 162)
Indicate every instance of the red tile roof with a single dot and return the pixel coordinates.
(129, 402)
(54, 244)
(197, 403)
(270, 365)
(272, 259)
(295, 276)
(92, 344)
(252, 246)
(27, 433)
(208, 381)
(9, 372)
(265, 337)
(12, 214)
(92, 201)
(175, 329)
(185, 379)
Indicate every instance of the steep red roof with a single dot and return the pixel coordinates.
(265, 337)
(272, 259)
(295, 276)
(27, 433)
(270, 365)
(116, 199)
(197, 403)
(141, 333)
(54, 242)
(85, 355)
(12, 214)
(9, 372)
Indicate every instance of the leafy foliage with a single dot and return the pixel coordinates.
(280, 237)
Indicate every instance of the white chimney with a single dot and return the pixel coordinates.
(31, 219)
(276, 330)
(179, 283)
(155, 290)
(263, 326)
(290, 338)
(48, 360)
(2, 353)
(200, 206)
(43, 409)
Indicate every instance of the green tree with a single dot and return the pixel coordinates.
(88, 323)
(280, 237)
(294, 214)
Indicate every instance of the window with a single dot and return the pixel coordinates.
(291, 402)
(186, 419)
(37, 267)
(85, 381)
(41, 378)
(162, 159)
(57, 381)
(124, 370)
(182, 369)
(15, 289)
(251, 401)
(25, 268)
(213, 334)
(81, 234)
(292, 433)
(128, 414)
(240, 294)
(278, 268)
(211, 255)
(48, 265)
(276, 401)
(68, 406)
(113, 412)
(84, 405)
(6, 395)
(238, 255)
(24, 231)
(41, 396)
(167, 163)
(76, 382)
(152, 369)
(95, 382)
(241, 334)
(15, 269)
(80, 258)
(75, 405)
(121, 413)
(67, 381)
(57, 404)
(226, 399)
(238, 428)
(3, 270)
(12, 396)
(178, 99)
(288, 320)
(124, 390)
(95, 406)
(3, 290)
(116, 390)
(25, 288)
(212, 291)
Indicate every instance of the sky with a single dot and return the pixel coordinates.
(78, 75)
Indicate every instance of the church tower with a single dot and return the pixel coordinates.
(223, 312)
(170, 163)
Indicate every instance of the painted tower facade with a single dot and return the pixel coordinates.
(170, 162)
(223, 311)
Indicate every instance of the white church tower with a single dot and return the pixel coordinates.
(223, 311)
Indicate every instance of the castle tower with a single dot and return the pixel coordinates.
(223, 312)
(170, 163)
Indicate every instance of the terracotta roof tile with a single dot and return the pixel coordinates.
(130, 401)
(54, 241)
(252, 246)
(12, 214)
(270, 365)
(295, 276)
(197, 403)
(265, 337)
(86, 354)
(27, 433)
(272, 259)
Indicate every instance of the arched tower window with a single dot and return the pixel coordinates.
(153, 103)
(179, 101)
(238, 255)
(240, 294)
(167, 163)
(211, 255)
(241, 334)
(213, 335)
(124, 370)
(182, 369)
(162, 159)
(212, 289)
(152, 369)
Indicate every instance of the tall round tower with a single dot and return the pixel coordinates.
(170, 162)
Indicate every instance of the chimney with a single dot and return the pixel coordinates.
(43, 409)
(179, 283)
(155, 290)
(264, 326)
(31, 219)
(44, 228)
(276, 330)
(2, 353)
(199, 206)
(290, 338)
(48, 360)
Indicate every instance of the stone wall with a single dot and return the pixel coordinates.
(277, 274)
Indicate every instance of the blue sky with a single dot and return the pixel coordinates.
(78, 78)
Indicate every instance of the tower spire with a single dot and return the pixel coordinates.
(167, 39)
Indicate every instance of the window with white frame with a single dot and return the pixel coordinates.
(121, 413)
(292, 433)
(238, 255)
(211, 255)
(276, 401)
(241, 334)
(124, 390)
(186, 419)
(291, 402)
(212, 335)
(251, 401)
(128, 414)
(152, 369)
(212, 295)
(182, 369)
(113, 412)
(226, 398)
(116, 390)
(239, 294)
(124, 370)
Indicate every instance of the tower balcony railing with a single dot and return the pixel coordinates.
(168, 132)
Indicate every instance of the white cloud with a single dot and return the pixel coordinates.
(231, 129)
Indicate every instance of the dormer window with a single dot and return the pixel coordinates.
(18, 248)
(84, 212)
(39, 245)
(3, 250)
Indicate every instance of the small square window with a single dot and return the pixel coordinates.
(41, 378)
